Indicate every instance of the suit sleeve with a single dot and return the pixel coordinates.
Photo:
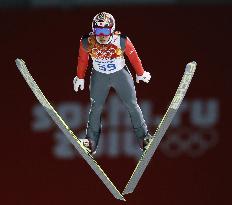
(133, 57)
(83, 59)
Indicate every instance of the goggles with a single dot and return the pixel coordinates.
(102, 31)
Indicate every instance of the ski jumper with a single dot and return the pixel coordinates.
(110, 71)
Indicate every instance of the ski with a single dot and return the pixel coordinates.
(162, 128)
(66, 130)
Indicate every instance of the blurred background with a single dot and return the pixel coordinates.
(192, 164)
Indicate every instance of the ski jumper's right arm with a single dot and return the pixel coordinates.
(83, 59)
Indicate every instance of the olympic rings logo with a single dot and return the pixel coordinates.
(193, 143)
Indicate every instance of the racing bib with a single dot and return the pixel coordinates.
(108, 66)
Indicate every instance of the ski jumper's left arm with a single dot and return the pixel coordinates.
(133, 57)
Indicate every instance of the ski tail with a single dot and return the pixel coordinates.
(162, 128)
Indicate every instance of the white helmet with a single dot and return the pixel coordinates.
(104, 19)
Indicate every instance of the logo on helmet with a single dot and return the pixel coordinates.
(104, 19)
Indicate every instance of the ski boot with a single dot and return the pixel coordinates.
(90, 145)
(144, 142)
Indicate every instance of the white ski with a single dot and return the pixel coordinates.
(162, 128)
(68, 133)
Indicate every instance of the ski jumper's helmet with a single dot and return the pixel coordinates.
(103, 24)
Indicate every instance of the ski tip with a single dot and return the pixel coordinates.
(19, 61)
(190, 67)
(194, 62)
